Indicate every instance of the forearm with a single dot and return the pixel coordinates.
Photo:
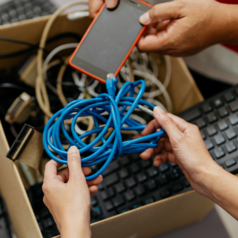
(228, 18)
(222, 188)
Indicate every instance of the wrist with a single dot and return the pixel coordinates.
(209, 175)
(76, 229)
(225, 23)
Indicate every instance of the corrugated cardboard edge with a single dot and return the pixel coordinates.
(186, 96)
(14, 194)
(156, 218)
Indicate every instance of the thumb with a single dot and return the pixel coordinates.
(167, 123)
(161, 12)
(111, 3)
(74, 164)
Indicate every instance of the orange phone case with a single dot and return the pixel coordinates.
(123, 62)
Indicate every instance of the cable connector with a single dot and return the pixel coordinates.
(20, 109)
(111, 84)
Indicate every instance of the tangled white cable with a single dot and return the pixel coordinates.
(144, 66)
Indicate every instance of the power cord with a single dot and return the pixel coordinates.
(118, 120)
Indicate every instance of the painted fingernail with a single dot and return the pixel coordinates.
(111, 3)
(145, 18)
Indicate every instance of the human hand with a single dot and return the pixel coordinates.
(187, 27)
(95, 5)
(184, 146)
(67, 195)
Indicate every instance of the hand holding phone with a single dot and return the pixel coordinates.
(110, 39)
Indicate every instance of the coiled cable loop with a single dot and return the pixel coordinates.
(119, 108)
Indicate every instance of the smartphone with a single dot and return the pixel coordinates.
(109, 39)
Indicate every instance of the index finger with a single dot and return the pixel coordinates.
(51, 169)
(150, 128)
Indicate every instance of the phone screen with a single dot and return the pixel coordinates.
(110, 38)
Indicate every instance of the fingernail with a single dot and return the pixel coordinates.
(145, 18)
(111, 3)
(73, 149)
(158, 110)
(101, 177)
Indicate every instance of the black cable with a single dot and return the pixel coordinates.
(34, 46)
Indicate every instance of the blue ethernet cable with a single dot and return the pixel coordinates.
(118, 119)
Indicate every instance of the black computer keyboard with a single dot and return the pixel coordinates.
(19, 10)
(217, 119)
(130, 182)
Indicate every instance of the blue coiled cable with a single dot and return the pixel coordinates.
(118, 120)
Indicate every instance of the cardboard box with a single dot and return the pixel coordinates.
(147, 221)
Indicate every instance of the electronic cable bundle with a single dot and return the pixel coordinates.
(119, 108)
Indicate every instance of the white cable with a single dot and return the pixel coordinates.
(145, 66)
(53, 53)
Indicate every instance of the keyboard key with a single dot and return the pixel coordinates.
(104, 195)
(94, 200)
(229, 96)
(233, 119)
(176, 188)
(149, 200)
(145, 163)
(136, 206)
(211, 130)
(110, 192)
(166, 193)
(186, 183)
(134, 168)
(130, 182)
(152, 172)
(173, 165)
(110, 180)
(108, 206)
(223, 112)
(48, 222)
(124, 160)
(218, 103)
(207, 108)
(219, 139)
(98, 210)
(100, 186)
(209, 144)
(118, 201)
(230, 146)
(164, 167)
(135, 157)
(129, 195)
(113, 166)
(222, 125)
(174, 174)
(123, 173)
(141, 177)
(212, 117)
(203, 135)
(120, 187)
(163, 179)
(151, 185)
(140, 190)
(230, 162)
(201, 123)
(192, 114)
(219, 152)
(234, 105)
(230, 133)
